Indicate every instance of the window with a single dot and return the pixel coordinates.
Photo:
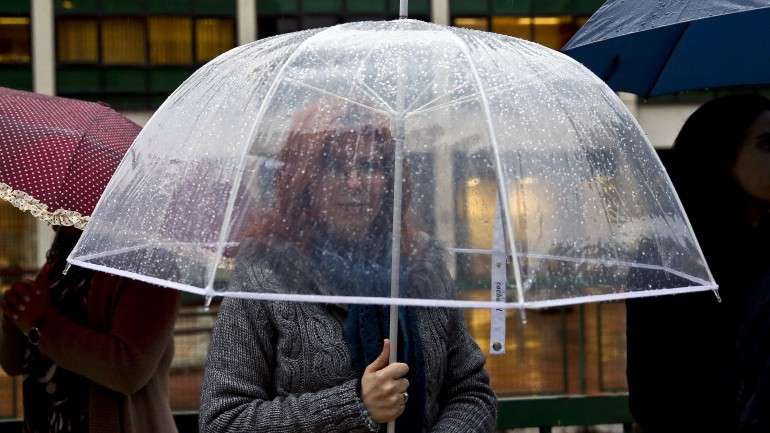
(14, 40)
(121, 53)
(470, 7)
(548, 22)
(213, 36)
(316, 21)
(472, 23)
(170, 40)
(518, 27)
(17, 245)
(322, 6)
(76, 40)
(553, 32)
(123, 41)
(275, 25)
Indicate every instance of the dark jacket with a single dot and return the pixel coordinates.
(284, 367)
(753, 360)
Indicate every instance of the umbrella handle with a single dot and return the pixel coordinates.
(393, 335)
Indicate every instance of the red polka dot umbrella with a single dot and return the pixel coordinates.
(57, 154)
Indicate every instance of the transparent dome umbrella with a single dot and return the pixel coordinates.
(364, 162)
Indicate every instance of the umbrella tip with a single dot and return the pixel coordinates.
(66, 269)
(207, 303)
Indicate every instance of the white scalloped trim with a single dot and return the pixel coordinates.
(27, 203)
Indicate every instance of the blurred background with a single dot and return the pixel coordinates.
(564, 366)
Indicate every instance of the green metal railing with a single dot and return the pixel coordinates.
(543, 413)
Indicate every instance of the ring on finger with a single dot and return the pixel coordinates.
(405, 397)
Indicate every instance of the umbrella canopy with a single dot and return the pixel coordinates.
(653, 48)
(395, 163)
(57, 154)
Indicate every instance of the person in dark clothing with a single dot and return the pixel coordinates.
(94, 349)
(685, 370)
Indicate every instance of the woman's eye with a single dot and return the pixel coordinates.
(373, 166)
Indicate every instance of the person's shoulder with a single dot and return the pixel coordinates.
(256, 267)
(274, 267)
(242, 308)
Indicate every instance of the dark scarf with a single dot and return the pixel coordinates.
(366, 326)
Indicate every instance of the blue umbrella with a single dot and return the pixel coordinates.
(656, 47)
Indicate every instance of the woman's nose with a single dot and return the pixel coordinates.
(354, 179)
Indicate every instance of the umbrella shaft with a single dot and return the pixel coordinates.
(395, 263)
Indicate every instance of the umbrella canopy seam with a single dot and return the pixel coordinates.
(503, 191)
(94, 122)
(277, 80)
(670, 54)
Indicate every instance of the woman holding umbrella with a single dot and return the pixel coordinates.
(300, 367)
(92, 360)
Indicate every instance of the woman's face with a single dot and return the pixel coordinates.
(351, 188)
(751, 167)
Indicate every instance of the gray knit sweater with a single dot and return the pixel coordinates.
(283, 367)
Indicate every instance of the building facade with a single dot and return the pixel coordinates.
(132, 54)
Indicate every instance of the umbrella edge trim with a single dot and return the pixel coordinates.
(407, 302)
(27, 203)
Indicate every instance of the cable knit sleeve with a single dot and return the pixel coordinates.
(237, 391)
(470, 404)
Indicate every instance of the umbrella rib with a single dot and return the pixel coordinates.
(474, 251)
(373, 93)
(654, 83)
(616, 296)
(422, 92)
(491, 91)
(427, 104)
(681, 274)
(344, 98)
(619, 263)
(357, 82)
(109, 253)
(503, 191)
(458, 101)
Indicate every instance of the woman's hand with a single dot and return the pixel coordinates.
(383, 387)
(25, 303)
